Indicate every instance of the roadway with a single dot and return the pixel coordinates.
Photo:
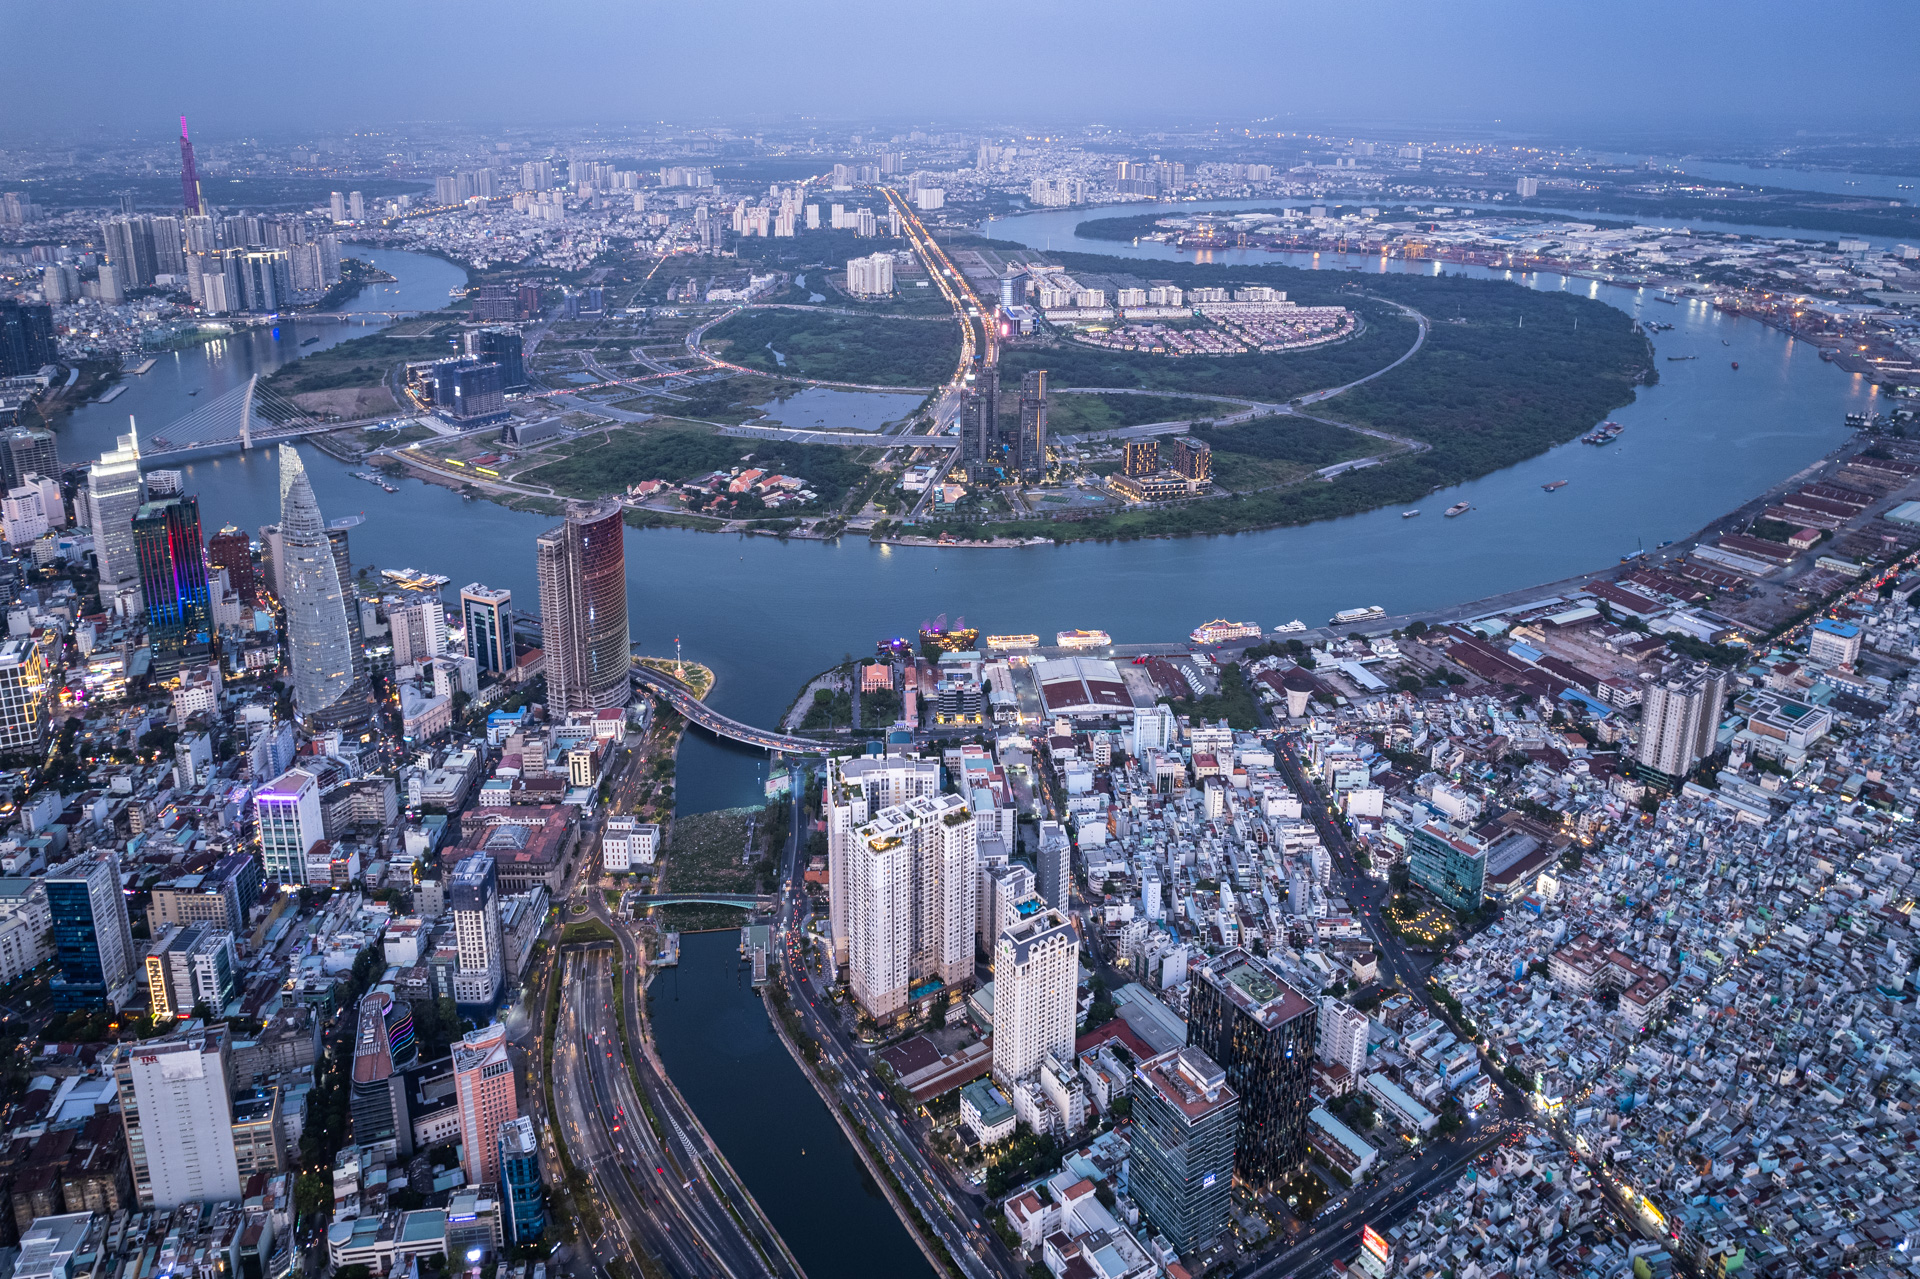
(635, 1220)
(732, 1206)
(1336, 1230)
(682, 699)
(945, 1203)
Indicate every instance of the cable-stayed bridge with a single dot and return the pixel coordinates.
(249, 416)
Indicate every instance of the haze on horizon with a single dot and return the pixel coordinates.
(1617, 73)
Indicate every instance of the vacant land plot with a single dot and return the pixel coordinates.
(705, 853)
(1069, 414)
(1274, 450)
(841, 348)
(674, 454)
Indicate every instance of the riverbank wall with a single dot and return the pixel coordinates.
(932, 1250)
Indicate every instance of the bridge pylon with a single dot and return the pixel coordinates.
(246, 415)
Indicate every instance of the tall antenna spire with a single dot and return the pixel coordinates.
(189, 175)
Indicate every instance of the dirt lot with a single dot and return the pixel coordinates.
(349, 401)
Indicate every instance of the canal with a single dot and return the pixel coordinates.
(721, 1050)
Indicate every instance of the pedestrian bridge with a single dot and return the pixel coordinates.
(681, 698)
(745, 901)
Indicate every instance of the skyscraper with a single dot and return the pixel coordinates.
(473, 894)
(338, 203)
(857, 789)
(502, 347)
(128, 242)
(319, 639)
(189, 173)
(26, 337)
(1343, 1037)
(173, 581)
(1140, 457)
(983, 427)
(1190, 458)
(288, 811)
(1053, 876)
(26, 451)
(356, 706)
(232, 550)
(484, 1092)
(582, 567)
(91, 937)
(912, 884)
(356, 206)
(378, 1102)
(114, 495)
(418, 630)
(487, 615)
(23, 695)
(1032, 459)
(195, 965)
(1263, 1032)
(1036, 975)
(178, 1113)
(1680, 720)
(523, 1200)
(1185, 1119)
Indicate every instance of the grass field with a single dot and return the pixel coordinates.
(703, 853)
(1275, 450)
(1069, 414)
(678, 453)
(841, 348)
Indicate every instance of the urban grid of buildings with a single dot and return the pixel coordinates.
(1594, 912)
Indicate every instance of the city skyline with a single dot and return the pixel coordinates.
(1266, 641)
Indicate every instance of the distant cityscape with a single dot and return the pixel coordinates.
(1568, 932)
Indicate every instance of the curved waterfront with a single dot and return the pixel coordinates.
(767, 614)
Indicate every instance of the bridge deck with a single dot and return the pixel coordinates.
(682, 699)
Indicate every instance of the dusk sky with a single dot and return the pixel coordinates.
(1758, 65)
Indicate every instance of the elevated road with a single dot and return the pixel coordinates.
(681, 698)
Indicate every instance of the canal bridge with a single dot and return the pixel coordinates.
(681, 698)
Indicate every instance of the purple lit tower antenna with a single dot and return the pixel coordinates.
(189, 176)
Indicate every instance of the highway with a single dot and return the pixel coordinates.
(722, 1185)
(677, 1197)
(634, 1220)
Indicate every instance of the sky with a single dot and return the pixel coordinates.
(1522, 65)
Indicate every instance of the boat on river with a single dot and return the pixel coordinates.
(1736, 366)
(1407, 515)
(1458, 508)
(1554, 485)
(1683, 357)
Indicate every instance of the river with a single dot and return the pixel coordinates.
(766, 614)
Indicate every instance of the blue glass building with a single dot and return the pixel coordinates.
(523, 1203)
